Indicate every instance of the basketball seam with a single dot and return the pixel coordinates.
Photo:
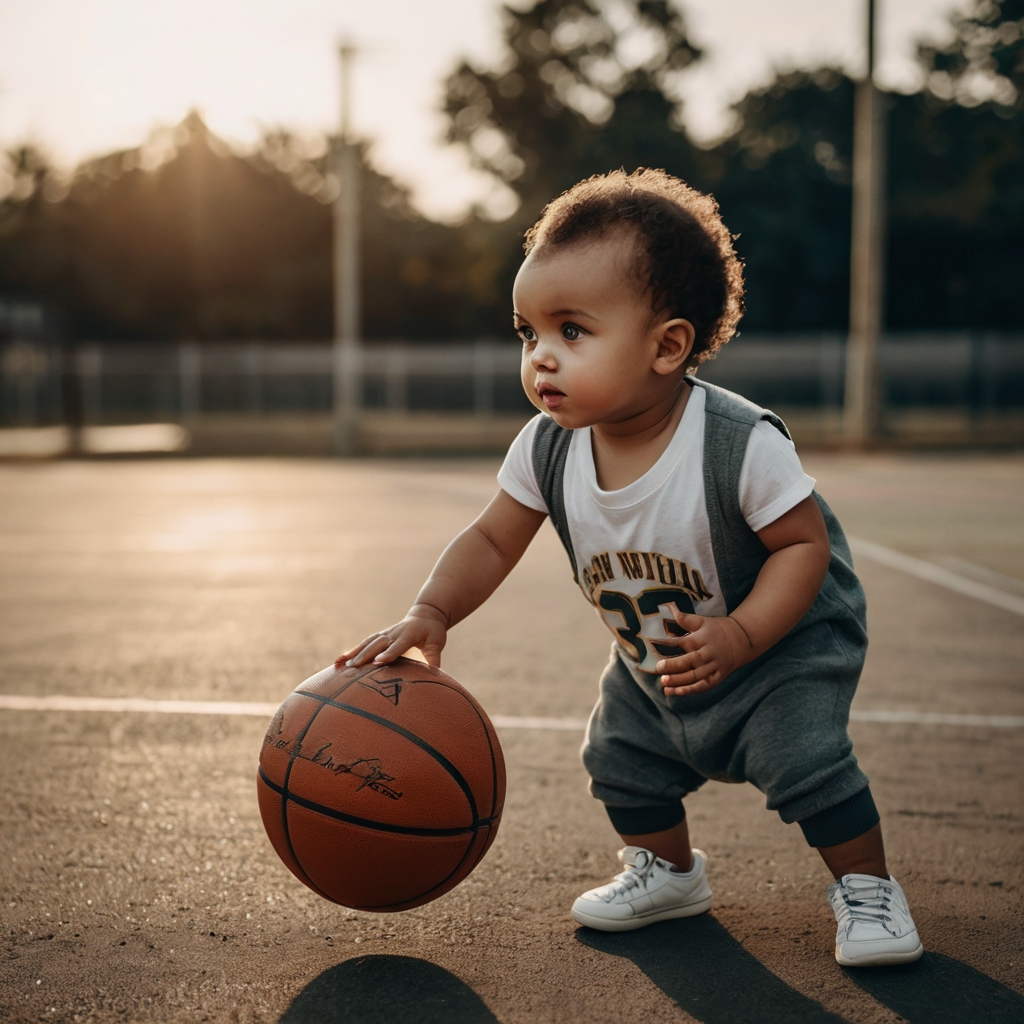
(299, 871)
(443, 761)
(285, 793)
(491, 823)
(380, 826)
(487, 734)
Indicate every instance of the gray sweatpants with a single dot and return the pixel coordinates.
(779, 722)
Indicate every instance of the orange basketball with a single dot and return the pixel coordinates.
(381, 787)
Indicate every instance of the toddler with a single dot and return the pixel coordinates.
(725, 580)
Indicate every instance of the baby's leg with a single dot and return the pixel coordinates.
(636, 769)
(864, 855)
(671, 844)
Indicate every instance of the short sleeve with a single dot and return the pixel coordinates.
(516, 476)
(772, 481)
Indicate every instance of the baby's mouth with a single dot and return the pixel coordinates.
(550, 396)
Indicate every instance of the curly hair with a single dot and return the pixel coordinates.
(686, 263)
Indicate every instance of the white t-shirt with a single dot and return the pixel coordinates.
(648, 545)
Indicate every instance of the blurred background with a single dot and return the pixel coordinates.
(201, 250)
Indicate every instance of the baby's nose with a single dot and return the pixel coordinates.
(542, 357)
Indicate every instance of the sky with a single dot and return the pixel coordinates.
(84, 77)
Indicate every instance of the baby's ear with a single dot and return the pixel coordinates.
(675, 343)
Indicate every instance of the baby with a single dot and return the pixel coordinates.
(725, 580)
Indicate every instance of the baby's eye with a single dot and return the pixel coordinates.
(527, 334)
(571, 332)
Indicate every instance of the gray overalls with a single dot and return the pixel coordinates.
(780, 721)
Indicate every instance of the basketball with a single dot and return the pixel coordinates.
(381, 787)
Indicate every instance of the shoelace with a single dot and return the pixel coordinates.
(633, 876)
(871, 903)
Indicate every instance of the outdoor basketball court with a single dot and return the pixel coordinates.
(137, 883)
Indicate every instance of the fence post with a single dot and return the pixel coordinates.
(71, 399)
(90, 368)
(254, 370)
(984, 376)
(992, 351)
(348, 393)
(28, 384)
(483, 377)
(190, 369)
(396, 377)
(830, 371)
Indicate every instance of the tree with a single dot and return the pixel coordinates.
(33, 234)
(183, 238)
(985, 59)
(782, 179)
(566, 100)
(957, 188)
(565, 104)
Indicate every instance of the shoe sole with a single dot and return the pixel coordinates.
(602, 924)
(880, 959)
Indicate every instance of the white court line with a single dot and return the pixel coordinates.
(936, 574)
(938, 718)
(120, 705)
(551, 724)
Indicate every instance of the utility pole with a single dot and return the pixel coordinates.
(347, 361)
(867, 254)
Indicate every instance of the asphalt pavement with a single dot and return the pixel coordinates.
(137, 883)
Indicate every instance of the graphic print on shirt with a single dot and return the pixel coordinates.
(634, 592)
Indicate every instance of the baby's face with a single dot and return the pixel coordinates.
(586, 331)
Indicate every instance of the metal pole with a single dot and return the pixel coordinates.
(347, 314)
(867, 255)
(190, 371)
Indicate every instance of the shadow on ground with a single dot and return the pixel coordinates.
(387, 990)
(709, 974)
(712, 977)
(940, 990)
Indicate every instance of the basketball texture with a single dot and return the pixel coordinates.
(381, 787)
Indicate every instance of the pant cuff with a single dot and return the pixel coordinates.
(639, 821)
(843, 822)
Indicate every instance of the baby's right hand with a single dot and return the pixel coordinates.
(425, 627)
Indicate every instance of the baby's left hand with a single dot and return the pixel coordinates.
(715, 646)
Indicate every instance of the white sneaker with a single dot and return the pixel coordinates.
(649, 889)
(875, 926)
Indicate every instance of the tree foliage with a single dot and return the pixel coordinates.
(783, 175)
(568, 98)
(782, 179)
(985, 58)
(184, 238)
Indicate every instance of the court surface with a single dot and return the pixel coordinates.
(136, 883)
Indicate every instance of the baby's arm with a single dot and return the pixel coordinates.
(785, 589)
(468, 572)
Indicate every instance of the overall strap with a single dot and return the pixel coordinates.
(739, 553)
(550, 450)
